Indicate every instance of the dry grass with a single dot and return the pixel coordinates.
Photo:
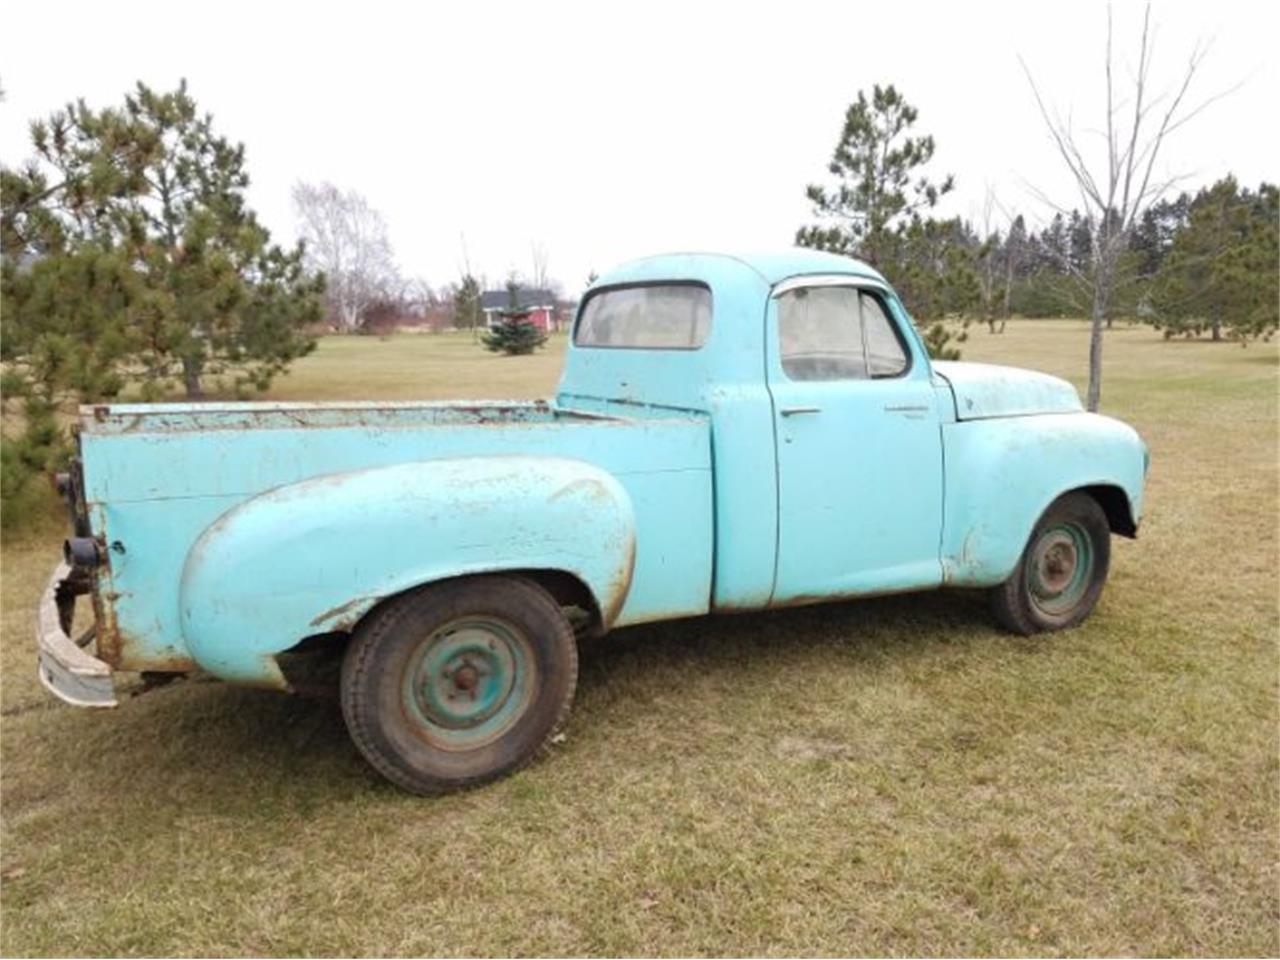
(892, 776)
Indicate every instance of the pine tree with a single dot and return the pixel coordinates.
(1153, 236)
(936, 276)
(1219, 275)
(466, 304)
(514, 335)
(156, 198)
(875, 210)
(129, 258)
(874, 197)
(1013, 258)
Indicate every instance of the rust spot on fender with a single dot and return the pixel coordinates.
(618, 587)
(340, 617)
(592, 488)
(110, 645)
(149, 663)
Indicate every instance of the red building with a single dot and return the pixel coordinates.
(541, 305)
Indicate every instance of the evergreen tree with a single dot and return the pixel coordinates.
(514, 335)
(1049, 289)
(937, 278)
(875, 210)
(1013, 259)
(1154, 233)
(152, 190)
(466, 304)
(875, 196)
(128, 257)
(1220, 274)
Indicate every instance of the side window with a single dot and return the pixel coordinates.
(819, 334)
(837, 333)
(885, 356)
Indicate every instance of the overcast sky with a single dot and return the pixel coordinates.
(605, 132)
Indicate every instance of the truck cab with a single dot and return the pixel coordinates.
(824, 417)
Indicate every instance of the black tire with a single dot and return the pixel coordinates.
(414, 662)
(1071, 546)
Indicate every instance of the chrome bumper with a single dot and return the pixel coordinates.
(67, 671)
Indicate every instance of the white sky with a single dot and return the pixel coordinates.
(607, 132)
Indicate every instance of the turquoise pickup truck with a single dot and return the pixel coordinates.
(730, 434)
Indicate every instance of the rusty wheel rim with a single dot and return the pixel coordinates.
(1060, 569)
(469, 682)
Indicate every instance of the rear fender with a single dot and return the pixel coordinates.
(314, 557)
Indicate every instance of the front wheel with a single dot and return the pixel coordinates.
(1060, 575)
(460, 682)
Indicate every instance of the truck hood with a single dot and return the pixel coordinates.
(984, 390)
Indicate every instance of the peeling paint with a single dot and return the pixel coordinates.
(342, 616)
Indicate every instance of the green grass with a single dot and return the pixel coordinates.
(892, 776)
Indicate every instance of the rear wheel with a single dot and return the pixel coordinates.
(1060, 575)
(459, 683)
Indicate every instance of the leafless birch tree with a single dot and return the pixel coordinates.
(347, 239)
(541, 277)
(1117, 189)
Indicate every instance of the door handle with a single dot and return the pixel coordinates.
(907, 408)
(797, 411)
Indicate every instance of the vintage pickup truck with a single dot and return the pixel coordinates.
(730, 434)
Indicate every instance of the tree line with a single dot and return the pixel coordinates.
(1198, 263)
(1206, 262)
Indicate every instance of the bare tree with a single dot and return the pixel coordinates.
(988, 259)
(1117, 191)
(347, 239)
(540, 278)
(419, 298)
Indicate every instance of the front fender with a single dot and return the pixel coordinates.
(315, 556)
(1002, 474)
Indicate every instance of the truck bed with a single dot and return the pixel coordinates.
(157, 476)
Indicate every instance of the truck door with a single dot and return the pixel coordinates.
(859, 449)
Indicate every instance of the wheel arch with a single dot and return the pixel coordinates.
(1115, 504)
(1003, 474)
(567, 588)
(315, 557)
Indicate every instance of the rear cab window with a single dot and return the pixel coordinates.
(649, 316)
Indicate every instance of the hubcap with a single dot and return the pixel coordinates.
(468, 682)
(1061, 568)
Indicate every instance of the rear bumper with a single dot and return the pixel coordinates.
(66, 670)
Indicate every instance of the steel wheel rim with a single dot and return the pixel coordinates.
(1060, 569)
(468, 682)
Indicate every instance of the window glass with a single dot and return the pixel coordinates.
(837, 333)
(659, 317)
(819, 335)
(885, 356)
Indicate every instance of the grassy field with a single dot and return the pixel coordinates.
(886, 777)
